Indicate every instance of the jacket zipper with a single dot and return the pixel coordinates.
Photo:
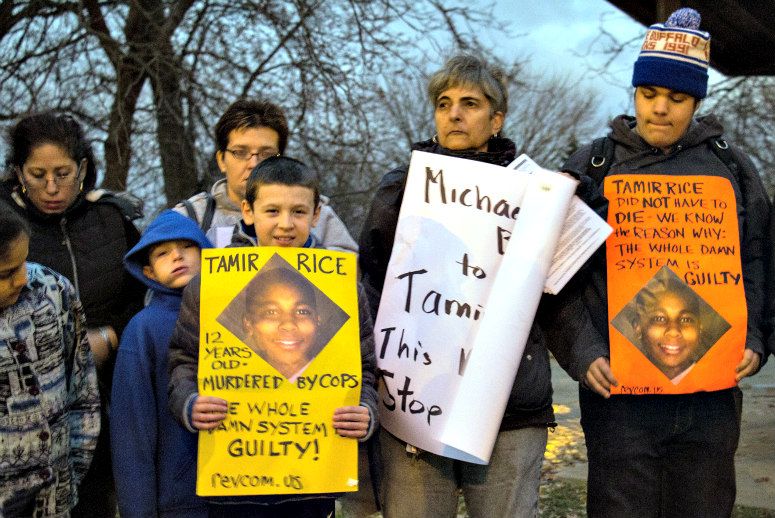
(68, 244)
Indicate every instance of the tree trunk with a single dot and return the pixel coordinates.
(175, 146)
(151, 56)
(129, 83)
(130, 78)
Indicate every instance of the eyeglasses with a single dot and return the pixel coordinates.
(244, 155)
(60, 177)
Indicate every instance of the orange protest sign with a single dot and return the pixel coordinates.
(676, 303)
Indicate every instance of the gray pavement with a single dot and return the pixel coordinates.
(755, 459)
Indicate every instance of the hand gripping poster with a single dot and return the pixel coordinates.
(676, 302)
(280, 342)
(474, 243)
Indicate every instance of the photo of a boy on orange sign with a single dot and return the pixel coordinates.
(670, 324)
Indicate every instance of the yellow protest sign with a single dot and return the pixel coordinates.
(279, 341)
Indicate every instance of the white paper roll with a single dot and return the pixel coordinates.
(474, 420)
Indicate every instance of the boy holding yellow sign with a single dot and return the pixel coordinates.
(280, 323)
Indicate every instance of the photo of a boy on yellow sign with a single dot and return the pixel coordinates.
(285, 355)
(283, 318)
(282, 322)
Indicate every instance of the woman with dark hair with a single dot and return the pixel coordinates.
(83, 234)
(470, 101)
(49, 403)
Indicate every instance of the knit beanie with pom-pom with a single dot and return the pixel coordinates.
(675, 55)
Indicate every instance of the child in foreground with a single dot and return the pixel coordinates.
(152, 454)
(280, 208)
(49, 400)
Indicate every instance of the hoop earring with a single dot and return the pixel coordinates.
(82, 165)
(435, 138)
(20, 177)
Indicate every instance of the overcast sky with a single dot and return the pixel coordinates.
(557, 36)
(550, 31)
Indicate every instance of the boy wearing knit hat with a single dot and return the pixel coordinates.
(670, 454)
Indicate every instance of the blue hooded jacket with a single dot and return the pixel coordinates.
(154, 457)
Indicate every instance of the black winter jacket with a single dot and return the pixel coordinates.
(586, 317)
(530, 403)
(86, 244)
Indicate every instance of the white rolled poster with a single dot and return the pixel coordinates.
(455, 312)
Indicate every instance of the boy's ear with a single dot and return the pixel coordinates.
(220, 162)
(247, 213)
(316, 215)
(148, 272)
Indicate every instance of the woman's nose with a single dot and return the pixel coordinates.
(51, 185)
(455, 112)
(253, 161)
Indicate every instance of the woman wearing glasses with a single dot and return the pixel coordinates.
(82, 234)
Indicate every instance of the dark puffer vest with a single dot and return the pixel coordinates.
(86, 244)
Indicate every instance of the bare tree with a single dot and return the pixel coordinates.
(746, 106)
(150, 77)
(550, 116)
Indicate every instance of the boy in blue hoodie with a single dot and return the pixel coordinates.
(282, 204)
(154, 458)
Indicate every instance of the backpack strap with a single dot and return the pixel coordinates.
(130, 206)
(190, 212)
(720, 148)
(600, 159)
(207, 219)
